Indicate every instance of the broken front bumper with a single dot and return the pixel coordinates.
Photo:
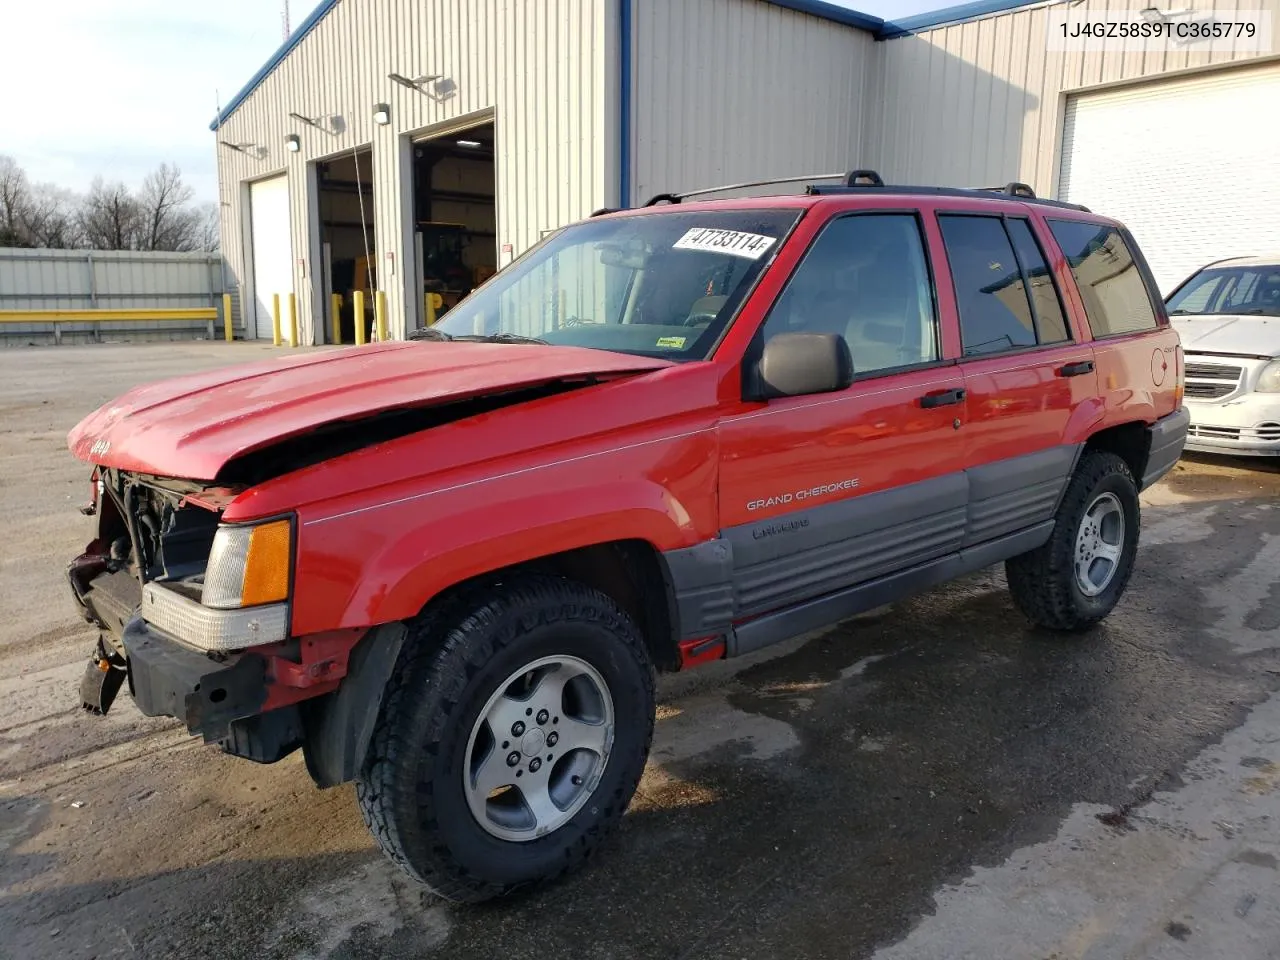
(170, 679)
(220, 700)
(219, 697)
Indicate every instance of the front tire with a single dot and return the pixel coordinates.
(1077, 577)
(511, 739)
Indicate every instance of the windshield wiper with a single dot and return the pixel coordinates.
(430, 333)
(501, 338)
(1247, 312)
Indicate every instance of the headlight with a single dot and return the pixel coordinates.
(1269, 378)
(249, 565)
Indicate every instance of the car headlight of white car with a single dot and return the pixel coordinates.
(1269, 378)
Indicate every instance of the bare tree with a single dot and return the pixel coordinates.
(110, 218)
(210, 227)
(15, 194)
(167, 220)
(160, 216)
(51, 217)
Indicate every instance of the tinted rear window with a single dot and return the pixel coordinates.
(1115, 297)
(1052, 325)
(995, 313)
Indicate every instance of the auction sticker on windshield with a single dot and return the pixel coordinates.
(733, 242)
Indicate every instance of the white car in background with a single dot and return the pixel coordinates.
(1228, 316)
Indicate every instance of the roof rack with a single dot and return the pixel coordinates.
(868, 181)
(677, 197)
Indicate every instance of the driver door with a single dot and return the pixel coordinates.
(818, 493)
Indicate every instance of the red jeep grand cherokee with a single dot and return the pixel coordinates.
(448, 568)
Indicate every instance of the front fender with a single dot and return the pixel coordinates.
(366, 570)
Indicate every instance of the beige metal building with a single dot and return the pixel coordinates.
(411, 146)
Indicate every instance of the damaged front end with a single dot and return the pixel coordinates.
(149, 528)
(194, 614)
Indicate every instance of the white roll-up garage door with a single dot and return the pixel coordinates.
(272, 253)
(1191, 166)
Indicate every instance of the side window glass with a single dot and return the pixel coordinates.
(1115, 298)
(1195, 296)
(995, 311)
(1051, 323)
(866, 279)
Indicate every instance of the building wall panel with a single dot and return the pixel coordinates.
(726, 91)
(982, 102)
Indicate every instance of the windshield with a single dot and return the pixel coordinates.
(1236, 290)
(659, 285)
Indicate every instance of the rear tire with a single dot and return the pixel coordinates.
(512, 736)
(1078, 576)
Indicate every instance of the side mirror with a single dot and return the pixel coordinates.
(795, 364)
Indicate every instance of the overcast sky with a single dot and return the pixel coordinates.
(113, 88)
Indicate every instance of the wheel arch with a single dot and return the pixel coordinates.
(1131, 442)
(632, 572)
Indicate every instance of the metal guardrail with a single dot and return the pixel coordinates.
(99, 316)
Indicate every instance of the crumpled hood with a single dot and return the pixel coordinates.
(189, 427)
(1248, 336)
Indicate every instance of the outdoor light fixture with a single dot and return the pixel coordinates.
(470, 144)
(1156, 15)
(293, 142)
(415, 84)
(247, 148)
(382, 113)
(307, 120)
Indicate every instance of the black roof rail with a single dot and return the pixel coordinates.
(603, 210)
(972, 192)
(869, 177)
(1014, 188)
(869, 181)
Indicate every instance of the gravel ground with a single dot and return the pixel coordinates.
(934, 780)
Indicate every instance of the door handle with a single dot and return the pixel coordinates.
(1079, 368)
(942, 399)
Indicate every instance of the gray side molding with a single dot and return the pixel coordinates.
(1168, 437)
(339, 726)
(702, 579)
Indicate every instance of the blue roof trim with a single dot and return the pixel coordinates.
(936, 18)
(829, 11)
(295, 38)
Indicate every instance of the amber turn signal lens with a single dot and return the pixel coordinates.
(266, 567)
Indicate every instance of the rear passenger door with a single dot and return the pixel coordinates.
(1026, 372)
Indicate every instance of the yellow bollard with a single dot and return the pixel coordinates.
(335, 313)
(380, 314)
(226, 318)
(357, 306)
(293, 320)
(434, 303)
(275, 319)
